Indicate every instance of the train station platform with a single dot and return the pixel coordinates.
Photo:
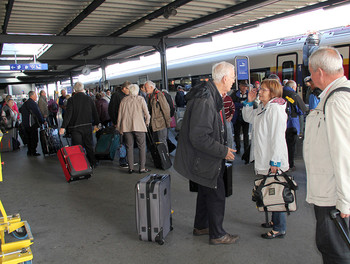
(93, 221)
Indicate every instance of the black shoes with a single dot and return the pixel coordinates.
(33, 154)
(226, 239)
(144, 171)
(267, 225)
(131, 171)
(200, 232)
(272, 235)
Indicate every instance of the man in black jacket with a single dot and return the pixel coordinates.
(202, 151)
(31, 120)
(113, 109)
(117, 97)
(79, 117)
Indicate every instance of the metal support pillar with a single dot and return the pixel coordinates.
(161, 48)
(104, 82)
(71, 80)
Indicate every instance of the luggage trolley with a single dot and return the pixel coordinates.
(18, 249)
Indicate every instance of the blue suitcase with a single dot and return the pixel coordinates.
(107, 145)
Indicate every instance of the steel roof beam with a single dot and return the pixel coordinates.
(220, 15)
(6, 19)
(129, 41)
(278, 16)
(157, 13)
(76, 21)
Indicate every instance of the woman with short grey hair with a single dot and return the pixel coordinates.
(133, 119)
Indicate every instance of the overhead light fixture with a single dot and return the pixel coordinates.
(169, 11)
(138, 25)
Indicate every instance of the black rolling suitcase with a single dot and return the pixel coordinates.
(341, 228)
(50, 140)
(153, 208)
(160, 155)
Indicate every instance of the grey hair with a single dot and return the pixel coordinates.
(328, 59)
(291, 84)
(221, 69)
(78, 87)
(134, 89)
(150, 83)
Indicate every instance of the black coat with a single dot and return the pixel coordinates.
(31, 107)
(114, 104)
(80, 111)
(202, 141)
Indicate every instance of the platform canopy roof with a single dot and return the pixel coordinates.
(92, 33)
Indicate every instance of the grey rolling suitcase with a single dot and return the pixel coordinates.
(153, 208)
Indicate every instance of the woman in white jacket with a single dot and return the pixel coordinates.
(269, 148)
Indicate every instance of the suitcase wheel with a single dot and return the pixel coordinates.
(161, 242)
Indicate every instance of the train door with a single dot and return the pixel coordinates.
(344, 51)
(286, 66)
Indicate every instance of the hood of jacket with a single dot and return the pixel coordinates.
(204, 91)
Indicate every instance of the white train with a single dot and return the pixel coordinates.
(285, 57)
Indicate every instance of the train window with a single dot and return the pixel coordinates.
(288, 70)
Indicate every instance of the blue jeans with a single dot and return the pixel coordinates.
(279, 221)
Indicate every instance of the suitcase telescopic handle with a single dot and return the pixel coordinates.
(333, 214)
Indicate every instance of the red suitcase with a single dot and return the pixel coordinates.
(74, 163)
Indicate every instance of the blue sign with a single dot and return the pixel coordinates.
(29, 67)
(242, 69)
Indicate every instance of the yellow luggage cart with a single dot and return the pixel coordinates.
(17, 251)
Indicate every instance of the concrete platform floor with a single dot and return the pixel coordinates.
(93, 221)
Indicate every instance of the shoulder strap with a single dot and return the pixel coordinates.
(345, 89)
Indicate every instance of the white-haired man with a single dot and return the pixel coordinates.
(160, 112)
(80, 116)
(202, 150)
(327, 152)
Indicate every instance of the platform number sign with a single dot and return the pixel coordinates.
(242, 69)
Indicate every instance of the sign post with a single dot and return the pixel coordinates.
(242, 68)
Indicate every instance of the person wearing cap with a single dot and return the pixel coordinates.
(257, 85)
(315, 93)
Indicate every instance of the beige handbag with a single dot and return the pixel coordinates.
(275, 193)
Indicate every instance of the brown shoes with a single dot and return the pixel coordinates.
(200, 232)
(226, 239)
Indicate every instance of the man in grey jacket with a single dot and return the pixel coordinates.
(202, 151)
(327, 152)
(42, 103)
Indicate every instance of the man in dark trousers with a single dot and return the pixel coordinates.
(238, 98)
(327, 152)
(31, 120)
(293, 123)
(113, 109)
(80, 116)
(202, 151)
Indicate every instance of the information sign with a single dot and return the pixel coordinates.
(29, 67)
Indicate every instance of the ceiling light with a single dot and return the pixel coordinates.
(170, 11)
